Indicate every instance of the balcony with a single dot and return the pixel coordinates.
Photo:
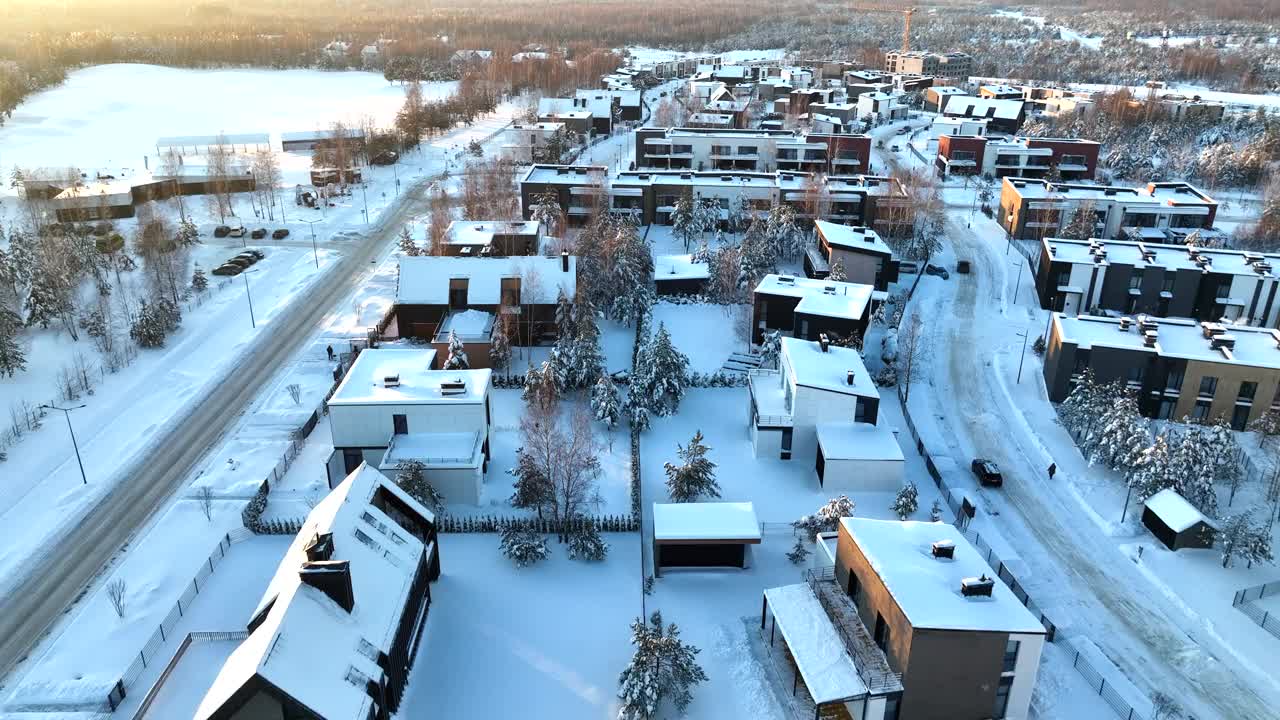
(868, 658)
(768, 401)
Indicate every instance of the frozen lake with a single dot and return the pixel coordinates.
(109, 116)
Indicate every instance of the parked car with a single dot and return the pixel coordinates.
(904, 130)
(240, 261)
(988, 472)
(280, 234)
(962, 267)
(909, 267)
(221, 231)
(386, 157)
(896, 148)
(228, 269)
(258, 233)
(237, 232)
(256, 253)
(938, 271)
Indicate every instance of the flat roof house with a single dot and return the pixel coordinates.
(336, 632)
(936, 97)
(1004, 116)
(527, 142)
(1178, 368)
(1033, 208)
(1018, 157)
(580, 189)
(304, 140)
(392, 407)
(805, 308)
(712, 149)
(1099, 276)
(680, 275)
(867, 259)
(492, 238)
(964, 645)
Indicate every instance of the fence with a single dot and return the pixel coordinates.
(147, 656)
(187, 641)
(1106, 692)
(1244, 599)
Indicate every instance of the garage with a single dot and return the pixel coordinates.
(703, 535)
(858, 456)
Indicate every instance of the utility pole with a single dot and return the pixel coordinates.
(314, 252)
(66, 412)
(252, 322)
(365, 195)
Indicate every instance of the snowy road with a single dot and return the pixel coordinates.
(1077, 573)
(55, 578)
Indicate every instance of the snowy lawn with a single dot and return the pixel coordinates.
(708, 334)
(546, 641)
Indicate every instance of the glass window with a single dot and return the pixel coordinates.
(891, 706)
(1201, 410)
(1002, 697)
(1208, 386)
(1240, 417)
(1165, 410)
(1011, 655)
(1275, 399)
(1135, 280)
(1136, 374)
(1222, 291)
(1174, 381)
(400, 424)
(1168, 282)
(1247, 391)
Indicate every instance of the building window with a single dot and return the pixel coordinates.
(1002, 697)
(860, 411)
(1167, 286)
(1222, 291)
(746, 150)
(1136, 374)
(400, 424)
(1011, 655)
(1064, 278)
(1135, 280)
(1200, 411)
(1174, 381)
(1240, 417)
(458, 292)
(882, 633)
(1247, 391)
(1073, 160)
(511, 292)
(1275, 399)
(1208, 386)
(786, 444)
(854, 587)
(891, 707)
(1165, 411)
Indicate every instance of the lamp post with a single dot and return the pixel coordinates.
(1017, 285)
(365, 195)
(1023, 357)
(315, 253)
(252, 321)
(1128, 492)
(66, 412)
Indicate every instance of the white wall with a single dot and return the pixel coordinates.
(1024, 675)
(371, 425)
(767, 442)
(863, 475)
(456, 484)
(811, 407)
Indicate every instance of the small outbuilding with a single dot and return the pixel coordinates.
(858, 456)
(703, 534)
(1176, 522)
(680, 275)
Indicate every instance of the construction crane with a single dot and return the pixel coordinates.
(906, 20)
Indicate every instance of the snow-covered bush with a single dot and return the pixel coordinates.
(798, 553)
(907, 501)
(886, 376)
(826, 518)
(1038, 347)
(663, 667)
(935, 512)
(524, 547)
(586, 543)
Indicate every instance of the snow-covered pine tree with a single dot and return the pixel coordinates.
(411, 476)
(500, 344)
(706, 215)
(935, 512)
(827, 516)
(588, 357)
(408, 247)
(630, 279)
(907, 501)
(1257, 547)
(637, 409)
(585, 542)
(837, 271)
(684, 219)
(799, 551)
(756, 256)
(1223, 451)
(13, 358)
(540, 391)
(199, 281)
(770, 349)
(781, 231)
(665, 373)
(1267, 426)
(1124, 434)
(695, 476)
(606, 404)
(1232, 535)
(524, 547)
(564, 315)
(148, 328)
(1191, 468)
(188, 234)
(457, 359)
(662, 667)
(532, 486)
(702, 254)
(1150, 472)
(1074, 410)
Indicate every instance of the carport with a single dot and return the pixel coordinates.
(703, 534)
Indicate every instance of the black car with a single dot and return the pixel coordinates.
(241, 261)
(280, 234)
(962, 267)
(221, 231)
(255, 252)
(939, 271)
(228, 269)
(258, 233)
(988, 472)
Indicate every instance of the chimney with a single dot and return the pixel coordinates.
(977, 587)
(944, 549)
(331, 577)
(391, 381)
(823, 342)
(564, 261)
(320, 547)
(848, 377)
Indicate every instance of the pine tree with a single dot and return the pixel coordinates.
(798, 552)
(695, 476)
(827, 516)
(532, 486)
(837, 271)
(408, 247)
(1232, 536)
(199, 282)
(684, 221)
(500, 345)
(756, 256)
(1150, 473)
(606, 404)
(188, 234)
(663, 667)
(630, 279)
(935, 512)
(457, 359)
(1124, 434)
(13, 358)
(524, 547)
(907, 501)
(663, 378)
(770, 349)
(588, 358)
(781, 232)
(411, 476)
(585, 542)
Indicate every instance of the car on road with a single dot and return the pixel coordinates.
(258, 233)
(221, 231)
(237, 232)
(241, 261)
(938, 271)
(909, 267)
(896, 148)
(280, 234)
(904, 130)
(987, 472)
(229, 269)
(962, 267)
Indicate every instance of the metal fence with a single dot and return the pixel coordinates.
(192, 637)
(1106, 692)
(1244, 599)
(148, 655)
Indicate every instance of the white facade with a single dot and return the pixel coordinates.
(956, 126)
(861, 457)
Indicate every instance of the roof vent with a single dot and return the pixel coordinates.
(944, 549)
(977, 586)
(391, 381)
(786, 280)
(829, 289)
(320, 547)
(824, 342)
(848, 377)
(1223, 341)
(456, 386)
(1125, 322)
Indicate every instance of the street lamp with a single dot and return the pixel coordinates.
(66, 412)
(1023, 357)
(1017, 285)
(314, 251)
(252, 322)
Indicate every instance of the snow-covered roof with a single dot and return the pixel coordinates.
(853, 237)
(567, 175)
(1000, 89)
(626, 98)
(983, 107)
(825, 666)
(927, 589)
(481, 232)
(435, 450)
(225, 139)
(946, 90)
(830, 298)
(858, 441)
(1176, 338)
(469, 325)
(1169, 195)
(424, 280)
(307, 645)
(1170, 257)
(808, 366)
(679, 267)
(598, 105)
(731, 521)
(1174, 510)
(365, 382)
(716, 119)
(316, 135)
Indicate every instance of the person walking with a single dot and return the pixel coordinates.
(329, 350)
(1053, 468)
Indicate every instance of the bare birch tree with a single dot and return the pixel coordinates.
(267, 177)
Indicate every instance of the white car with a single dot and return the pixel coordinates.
(237, 232)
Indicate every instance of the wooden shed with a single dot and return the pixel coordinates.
(1176, 522)
(703, 534)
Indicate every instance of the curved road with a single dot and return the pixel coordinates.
(56, 577)
(1083, 574)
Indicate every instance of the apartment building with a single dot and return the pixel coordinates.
(1178, 107)
(1017, 157)
(806, 308)
(1004, 116)
(706, 149)
(579, 189)
(918, 62)
(1178, 367)
(527, 142)
(1081, 277)
(963, 644)
(956, 126)
(625, 104)
(597, 104)
(936, 97)
(1032, 208)
(880, 107)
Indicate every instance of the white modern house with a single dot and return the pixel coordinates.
(392, 407)
(859, 456)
